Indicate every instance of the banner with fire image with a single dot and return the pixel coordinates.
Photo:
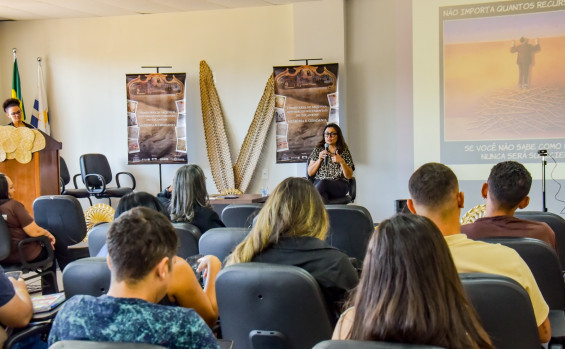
(156, 118)
(306, 99)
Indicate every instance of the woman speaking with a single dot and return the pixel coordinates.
(331, 164)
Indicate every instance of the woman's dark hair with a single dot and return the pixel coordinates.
(410, 291)
(137, 199)
(189, 190)
(4, 195)
(340, 144)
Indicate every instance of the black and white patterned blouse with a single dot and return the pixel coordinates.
(332, 170)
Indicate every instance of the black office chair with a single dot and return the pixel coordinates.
(188, 235)
(62, 216)
(97, 175)
(240, 215)
(544, 264)
(271, 306)
(97, 238)
(87, 276)
(74, 344)
(220, 242)
(555, 222)
(351, 226)
(504, 308)
(347, 199)
(40, 324)
(351, 344)
(65, 179)
(39, 268)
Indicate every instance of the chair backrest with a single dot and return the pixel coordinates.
(86, 276)
(351, 227)
(5, 239)
(73, 344)
(504, 308)
(189, 235)
(97, 238)
(544, 264)
(62, 215)
(220, 242)
(95, 164)
(240, 215)
(271, 306)
(555, 222)
(351, 344)
(64, 171)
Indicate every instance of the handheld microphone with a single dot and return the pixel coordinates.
(326, 147)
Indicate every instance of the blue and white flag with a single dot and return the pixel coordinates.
(40, 114)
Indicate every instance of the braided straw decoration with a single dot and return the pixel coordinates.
(473, 214)
(255, 139)
(217, 144)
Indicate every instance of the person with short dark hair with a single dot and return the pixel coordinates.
(184, 289)
(331, 164)
(435, 194)
(410, 292)
(141, 244)
(507, 190)
(12, 108)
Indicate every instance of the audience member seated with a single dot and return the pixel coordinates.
(15, 304)
(165, 196)
(141, 244)
(506, 191)
(189, 200)
(22, 226)
(410, 292)
(434, 192)
(290, 230)
(331, 178)
(184, 289)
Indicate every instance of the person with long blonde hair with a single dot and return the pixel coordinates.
(410, 291)
(290, 229)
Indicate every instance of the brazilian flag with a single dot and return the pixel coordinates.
(17, 87)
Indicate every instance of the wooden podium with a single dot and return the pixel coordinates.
(38, 177)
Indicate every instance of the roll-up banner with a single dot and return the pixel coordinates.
(306, 99)
(156, 118)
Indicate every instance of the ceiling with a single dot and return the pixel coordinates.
(20, 10)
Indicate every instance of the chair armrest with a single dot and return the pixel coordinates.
(45, 243)
(61, 185)
(130, 176)
(91, 188)
(75, 179)
(32, 329)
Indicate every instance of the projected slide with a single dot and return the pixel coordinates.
(502, 81)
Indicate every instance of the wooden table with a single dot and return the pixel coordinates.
(220, 202)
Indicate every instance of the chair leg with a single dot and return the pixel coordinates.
(89, 200)
(110, 202)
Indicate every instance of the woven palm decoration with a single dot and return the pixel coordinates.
(97, 214)
(473, 214)
(217, 144)
(234, 179)
(250, 152)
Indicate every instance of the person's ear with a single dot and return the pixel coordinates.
(484, 190)
(162, 268)
(410, 205)
(524, 203)
(109, 263)
(460, 199)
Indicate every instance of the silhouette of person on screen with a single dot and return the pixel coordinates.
(525, 57)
